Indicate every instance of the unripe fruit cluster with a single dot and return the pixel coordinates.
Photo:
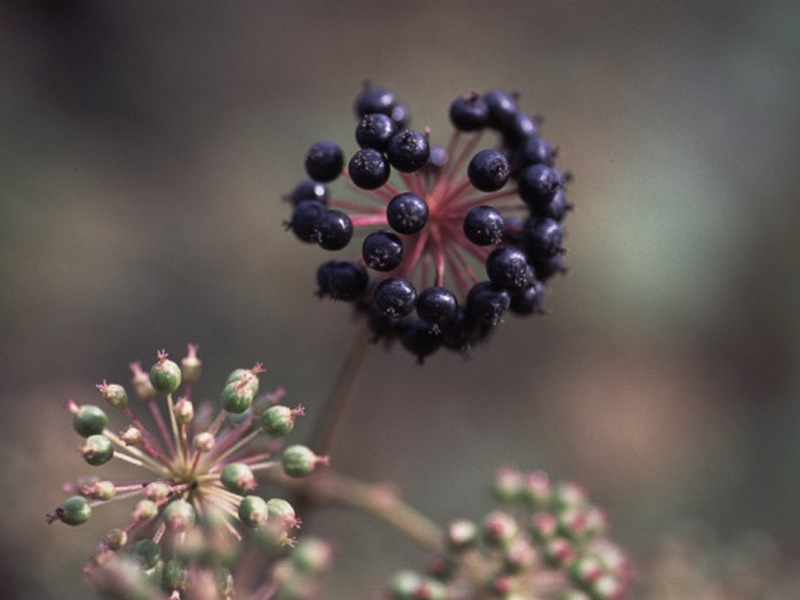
(465, 214)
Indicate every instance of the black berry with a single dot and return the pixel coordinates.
(536, 150)
(407, 213)
(488, 170)
(483, 225)
(395, 297)
(374, 100)
(528, 300)
(543, 238)
(382, 250)
(308, 189)
(437, 305)
(487, 302)
(538, 184)
(341, 280)
(408, 150)
(375, 130)
(419, 340)
(368, 169)
(508, 267)
(305, 219)
(469, 113)
(334, 229)
(502, 108)
(324, 161)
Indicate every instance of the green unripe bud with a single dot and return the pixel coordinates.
(115, 539)
(299, 460)
(145, 510)
(74, 511)
(204, 441)
(141, 383)
(404, 585)
(558, 553)
(278, 420)
(499, 529)
(175, 577)
(461, 535)
(518, 556)
(165, 375)
(132, 435)
(100, 490)
(114, 394)
(148, 552)
(179, 515)
(239, 392)
(312, 556)
(508, 484)
(282, 511)
(89, 420)
(97, 450)
(184, 411)
(156, 490)
(191, 366)
(238, 478)
(253, 511)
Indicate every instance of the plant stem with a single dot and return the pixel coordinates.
(327, 428)
(379, 500)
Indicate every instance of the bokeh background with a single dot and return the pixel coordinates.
(145, 148)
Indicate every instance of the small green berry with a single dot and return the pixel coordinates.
(299, 460)
(239, 392)
(115, 539)
(74, 510)
(144, 510)
(100, 490)
(165, 375)
(148, 552)
(238, 478)
(253, 511)
(312, 555)
(204, 441)
(179, 515)
(114, 394)
(89, 420)
(184, 411)
(97, 450)
(278, 420)
(156, 490)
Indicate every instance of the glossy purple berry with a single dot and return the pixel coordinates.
(407, 213)
(324, 161)
(342, 280)
(395, 297)
(374, 100)
(519, 128)
(543, 238)
(368, 169)
(508, 267)
(382, 250)
(483, 225)
(437, 305)
(469, 113)
(334, 229)
(408, 150)
(375, 130)
(538, 184)
(502, 108)
(420, 340)
(305, 218)
(487, 302)
(488, 170)
(308, 189)
(529, 300)
(401, 115)
(536, 150)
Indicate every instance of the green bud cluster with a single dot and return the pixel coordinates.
(198, 492)
(541, 532)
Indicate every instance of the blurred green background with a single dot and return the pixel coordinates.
(144, 151)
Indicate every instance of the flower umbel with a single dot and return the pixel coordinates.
(198, 489)
(462, 234)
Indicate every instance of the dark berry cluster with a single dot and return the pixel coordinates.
(461, 234)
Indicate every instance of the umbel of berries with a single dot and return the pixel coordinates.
(444, 241)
